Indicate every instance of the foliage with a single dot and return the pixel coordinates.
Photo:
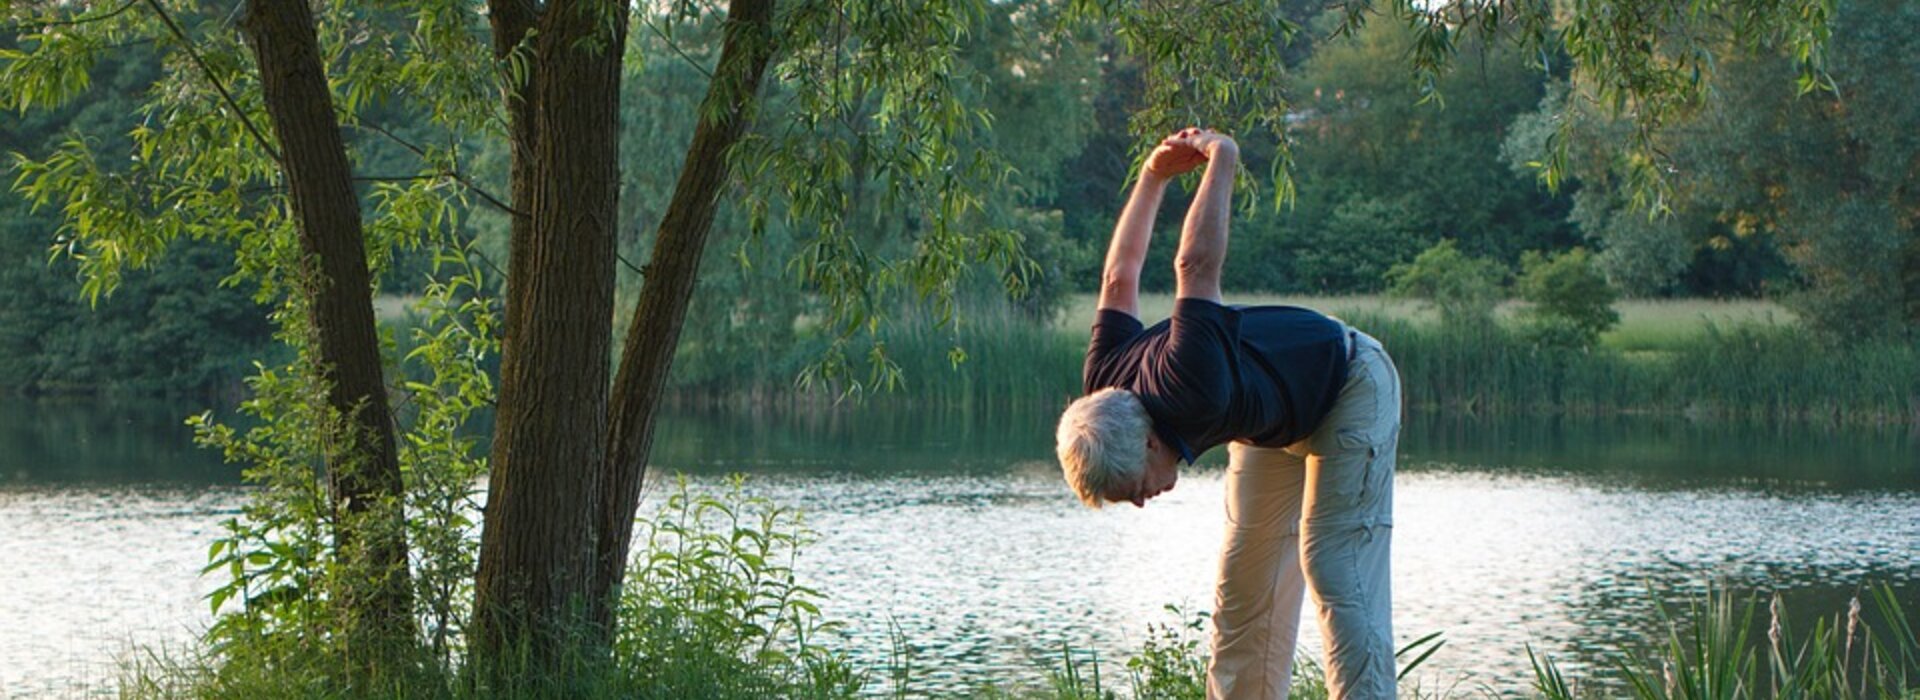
(1420, 170)
(712, 609)
(1572, 304)
(175, 328)
(745, 315)
(274, 557)
(1379, 177)
(1798, 196)
(440, 458)
(1464, 289)
(1171, 664)
(278, 561)
(170, 329)
(1354, 246)
(1714, 652)
(1827, 176)
(873, 156)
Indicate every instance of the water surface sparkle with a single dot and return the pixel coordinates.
(956, 527)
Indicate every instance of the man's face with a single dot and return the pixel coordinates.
(1163, 470)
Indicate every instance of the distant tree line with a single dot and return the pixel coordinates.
(1807, 198)
(171, 328)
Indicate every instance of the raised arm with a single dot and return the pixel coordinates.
(1203, 242)
(1120, 280)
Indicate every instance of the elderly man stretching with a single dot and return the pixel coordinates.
(1310, 409)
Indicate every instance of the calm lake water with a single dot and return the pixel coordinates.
(955, 527)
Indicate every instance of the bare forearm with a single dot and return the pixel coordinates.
(1120, 280)
(1203, 241)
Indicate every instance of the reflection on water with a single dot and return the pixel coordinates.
(955, 527)
(1644, 452)
(88, 441)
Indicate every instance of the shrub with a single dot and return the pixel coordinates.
(1464, 289)
(711, 609)
(1572, 303)
(1172, 664)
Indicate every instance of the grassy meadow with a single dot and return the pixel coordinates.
(1645, 324)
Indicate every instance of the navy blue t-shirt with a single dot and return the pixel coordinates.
(1211, 374)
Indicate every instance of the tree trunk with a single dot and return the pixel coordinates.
(670, 275)
(374, 595)
(537, 543)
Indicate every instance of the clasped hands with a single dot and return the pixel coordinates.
(1187, 149)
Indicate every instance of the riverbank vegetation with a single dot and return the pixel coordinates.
(1686, 358)
(714, 612)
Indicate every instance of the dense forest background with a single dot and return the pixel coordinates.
(1808, 199)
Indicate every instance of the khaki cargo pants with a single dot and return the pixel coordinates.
(1319, 514)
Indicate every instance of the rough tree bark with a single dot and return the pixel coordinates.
(374, 596)
(670, 274)
(538, 539)
(568, 461)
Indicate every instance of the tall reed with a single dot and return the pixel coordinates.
(1743, 370)
(1749, 371)
(1714, 653)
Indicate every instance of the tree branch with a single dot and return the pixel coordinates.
(676, 49)
(233, 104)
(463, 181)
(77, 21)
(450, 174)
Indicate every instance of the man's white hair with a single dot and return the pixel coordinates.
(1102, 442)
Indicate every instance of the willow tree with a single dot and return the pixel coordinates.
(871, 90)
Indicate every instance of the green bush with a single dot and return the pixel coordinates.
(1464, 289)
(711, 608)
(1172, 664)
(1572, 303)
(1357, 243)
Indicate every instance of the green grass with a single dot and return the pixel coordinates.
(1645, 324)
(1007, 360)
(1669, 324)
(394, 308)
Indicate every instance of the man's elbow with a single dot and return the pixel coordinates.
(1197, 267)
(1120, 281)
